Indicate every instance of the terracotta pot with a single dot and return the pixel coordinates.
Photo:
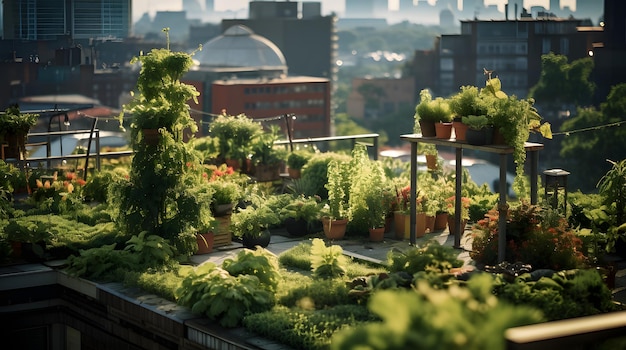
(431, 161)
(420, 225)
(377, 234)
(428, 128)
(430, 223)
(443, 130)
(452, 224)
(441, 221)
(233, 163)
(294, 173)
(399, 221)
(334, 229)
(460, 129)
(205, 242)
(265, 173)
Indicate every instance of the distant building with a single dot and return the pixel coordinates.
(609, 54)
(366, 8)
(75, 19)
(512, 49)
(393, 95)
(242, 72)
(306, 38)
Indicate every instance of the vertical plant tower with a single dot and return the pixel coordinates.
(165, 193)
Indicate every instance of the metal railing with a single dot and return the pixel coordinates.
(326, 140)
(98, 155)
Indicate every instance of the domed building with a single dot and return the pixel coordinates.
(245, 73)
(240, 50)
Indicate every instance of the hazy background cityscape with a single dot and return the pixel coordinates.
(328, 6)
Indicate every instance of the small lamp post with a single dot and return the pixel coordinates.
(556, 181)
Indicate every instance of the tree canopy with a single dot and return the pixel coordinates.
(563, 83)
(596, 135)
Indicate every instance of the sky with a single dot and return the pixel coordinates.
(141, 6)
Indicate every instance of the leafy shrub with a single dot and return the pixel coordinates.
(151, 250)
(305, 329)
(212, 291)
(481, 205)
(318, 294)
(314, 175)
(559, 295)
(432, 256)
(426, 318)
(97, 186)
(530, 239)
(327, 262)
(260, 263)
(162, 282)
(104, 263)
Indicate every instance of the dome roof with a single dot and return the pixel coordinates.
(240, 47)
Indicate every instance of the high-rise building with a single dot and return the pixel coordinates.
(77, 19)
(209, 5)
(366, 8)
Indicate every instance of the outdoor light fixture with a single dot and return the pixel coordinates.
(66, 120)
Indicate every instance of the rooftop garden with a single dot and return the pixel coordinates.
(139, 222)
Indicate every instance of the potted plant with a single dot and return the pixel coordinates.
(161, 104)
(452, 214)
(295, 161)
(251, 225)
(514, 119)
(165, 193)
(430, 152)
(299, 213)
(335, 212)
(429, 112)
(372, 188)
(225, 194)
(267, 158)
(14, 127)
(205, 238)
(479, 130)
(402, 208)
(468, 101)
(234, 135)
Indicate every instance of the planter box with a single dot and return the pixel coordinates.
(223, 235)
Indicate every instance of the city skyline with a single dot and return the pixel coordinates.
(151, 6)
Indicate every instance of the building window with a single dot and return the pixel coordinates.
(446, 64)
(545, 46)
(564, 46)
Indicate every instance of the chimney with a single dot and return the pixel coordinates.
(506, 11)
